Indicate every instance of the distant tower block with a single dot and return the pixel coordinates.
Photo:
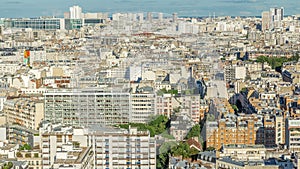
(276, 17)
(141, 17)
(174, 17)
(160, 16)
(149, 16)
(265, 20)
(75, 12)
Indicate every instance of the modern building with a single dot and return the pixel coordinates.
(143, 106)
(36, 23)
(75, 12)
(276, 17)
(86, 107)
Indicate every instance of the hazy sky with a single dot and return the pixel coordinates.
(35, 8)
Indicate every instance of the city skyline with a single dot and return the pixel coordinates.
(187, 8)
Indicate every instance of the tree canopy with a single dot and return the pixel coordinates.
(276, 62)
(156, 126)
(194, 132)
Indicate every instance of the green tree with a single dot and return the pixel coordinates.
(182, 149)
(194, 132)
(210, 149)
(25, 147)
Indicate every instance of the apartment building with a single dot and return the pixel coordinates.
(230, 131)
(192, 104)
(124, 149)
(24, 112)
(23, 116)
(164, 105)
(142, 107)
(9, 67)
(34, 158)
(110, 147)
(86, 107)
(36, 23)
(244, 152)
(292, 134)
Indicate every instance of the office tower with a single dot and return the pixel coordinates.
(149, 16)
(265, 20)
(276, 16)
(75, 12)
(160, 16)
(174, 19)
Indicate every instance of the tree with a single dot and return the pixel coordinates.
(8, 165)
(182, 149)
(194, 132)
(210, 149)
(164, 151)
(19, 154)
(235, 108)
(25, 147)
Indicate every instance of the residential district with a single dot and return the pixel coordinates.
(150, 90)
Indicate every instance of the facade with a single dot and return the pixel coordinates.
(164, 105)
(143, 107)
(276, 17)
(292, 137)
(86, 107)
(265, 20)
(37, 23)
(119, 149)
(24, 112)
(110, 147)
(75, 12)
(33, 158)
(230, 132)
(21, 135)
(192, 104)
(244, 152)
(180, 126)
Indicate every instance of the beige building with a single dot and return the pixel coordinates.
(24, 112)
(244, 152)
(34, 158)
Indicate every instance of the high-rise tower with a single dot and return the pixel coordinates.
(75, 12)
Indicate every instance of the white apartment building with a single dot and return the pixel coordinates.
(110, 147)
(75, 12)
(143, 106)
(292, 134)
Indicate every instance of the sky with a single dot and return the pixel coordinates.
(36, 8)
